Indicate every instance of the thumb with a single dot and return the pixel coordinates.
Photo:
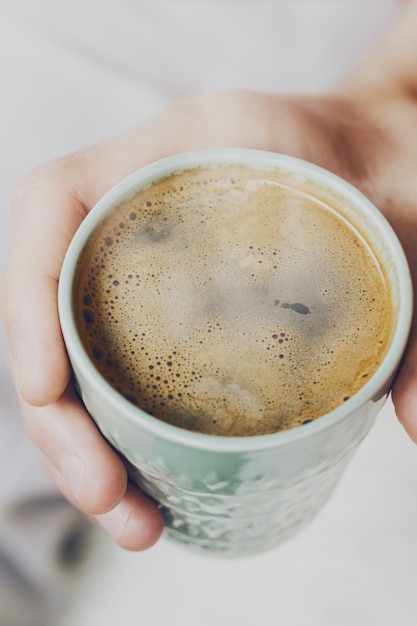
(45, 217)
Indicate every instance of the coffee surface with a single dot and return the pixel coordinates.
(230, 301)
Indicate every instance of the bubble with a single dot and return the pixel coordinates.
(89, 316)
(98, 353)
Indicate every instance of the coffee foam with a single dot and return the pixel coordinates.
(230, 301)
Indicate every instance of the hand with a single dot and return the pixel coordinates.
(363, 140)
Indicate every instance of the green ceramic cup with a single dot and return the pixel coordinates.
(238, 495)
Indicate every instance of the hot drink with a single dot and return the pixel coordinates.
(233, 301)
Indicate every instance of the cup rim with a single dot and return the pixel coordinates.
(257, 159)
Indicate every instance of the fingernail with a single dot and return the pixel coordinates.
(116, 520)
(73, 470)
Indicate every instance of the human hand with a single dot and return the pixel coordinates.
(367, 145)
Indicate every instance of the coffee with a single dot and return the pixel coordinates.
(233, 301)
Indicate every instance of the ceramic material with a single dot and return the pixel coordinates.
(232, 495)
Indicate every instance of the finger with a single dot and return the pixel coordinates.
(134, 523)
(45, 218)
(404, 391)
(91, 473)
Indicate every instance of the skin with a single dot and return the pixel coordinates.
(364, 131)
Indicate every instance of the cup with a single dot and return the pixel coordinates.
(238, 495)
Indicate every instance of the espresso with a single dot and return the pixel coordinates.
(233, 301)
